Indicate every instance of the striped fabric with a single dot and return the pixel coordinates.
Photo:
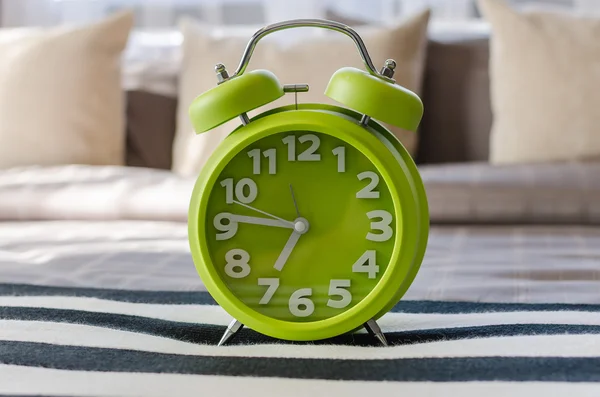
(102, 342)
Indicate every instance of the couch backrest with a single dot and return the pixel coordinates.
(456, 94)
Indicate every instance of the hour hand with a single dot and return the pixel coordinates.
(287, 250)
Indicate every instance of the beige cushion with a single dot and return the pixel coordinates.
(311, 61)
(60, 94)
(545, 76)
(483, 193)
(150, 129)
(456, 94)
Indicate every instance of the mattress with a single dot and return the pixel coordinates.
(105, 301)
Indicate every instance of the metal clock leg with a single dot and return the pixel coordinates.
(373, 328)
(233, 327)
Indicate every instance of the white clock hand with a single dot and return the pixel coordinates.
(287, 250)
(264, 213)
(300, 227)
(260, 221)
(230, 228)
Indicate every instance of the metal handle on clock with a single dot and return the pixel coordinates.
(314, 23)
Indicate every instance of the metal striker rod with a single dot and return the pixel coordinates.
(387, 71)
(222, 76)
(244, 118)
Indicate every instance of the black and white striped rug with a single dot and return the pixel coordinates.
(98, 342)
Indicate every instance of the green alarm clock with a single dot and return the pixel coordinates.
(310, 220)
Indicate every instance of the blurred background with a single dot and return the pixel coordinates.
(451, 63)
(156, 33)
(164, 14)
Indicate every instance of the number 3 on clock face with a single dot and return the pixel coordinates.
(301, 226)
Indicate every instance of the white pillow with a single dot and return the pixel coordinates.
(61, 99)
(311, 61)
(545, 81)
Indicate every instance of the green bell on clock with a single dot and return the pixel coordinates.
(308, 221)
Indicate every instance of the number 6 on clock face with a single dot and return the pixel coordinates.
(300, 304)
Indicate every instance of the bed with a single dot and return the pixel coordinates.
(99, 295)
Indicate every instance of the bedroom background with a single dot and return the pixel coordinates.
(98, 160)
(451, 71)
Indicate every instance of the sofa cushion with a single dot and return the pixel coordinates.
(545, 73)
(150, 129)
(456, 94)
(61, 99)
(545, 193)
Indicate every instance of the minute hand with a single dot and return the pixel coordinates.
(260, 221)
(291, 224)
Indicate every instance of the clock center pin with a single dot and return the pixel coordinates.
(301, 225)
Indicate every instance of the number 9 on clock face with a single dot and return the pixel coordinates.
(300, 226)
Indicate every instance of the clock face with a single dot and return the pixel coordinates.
(300, 226)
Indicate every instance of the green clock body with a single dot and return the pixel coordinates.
(305, 224)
